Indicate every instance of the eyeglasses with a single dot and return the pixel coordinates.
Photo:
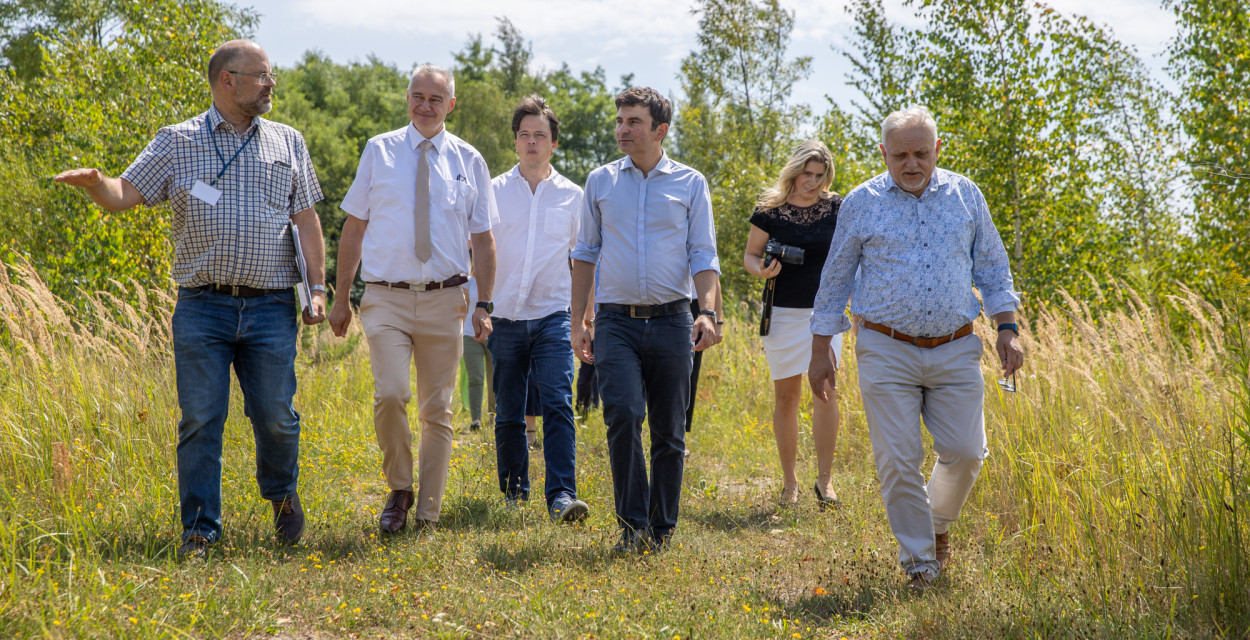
(264, 77)
(1009, 385)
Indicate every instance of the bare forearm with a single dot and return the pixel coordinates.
(707, 287)
(484, 264)
(350, 241)
(113, 194)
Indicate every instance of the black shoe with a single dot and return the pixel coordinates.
(195, 546)
(628, 543)
(568, 510)
(288, 519)
(475, 425)
(825, 502)
(653, 544)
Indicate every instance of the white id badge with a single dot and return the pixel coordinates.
(206, 193)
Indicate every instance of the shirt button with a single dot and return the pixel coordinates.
(926, 244)
(929, 289)
(926, 266)
(922, 222)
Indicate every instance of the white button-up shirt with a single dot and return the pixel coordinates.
(384, 194)
(535, 233)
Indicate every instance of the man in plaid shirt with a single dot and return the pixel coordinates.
(234, 183)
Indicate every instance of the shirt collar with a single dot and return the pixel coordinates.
(665, 165)
(515, 174)
(415, 138)
(215, 120)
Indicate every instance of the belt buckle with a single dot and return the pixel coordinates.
(633, 312)
(423, 286)
(234, 290)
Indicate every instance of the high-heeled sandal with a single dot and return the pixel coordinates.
(825, 502)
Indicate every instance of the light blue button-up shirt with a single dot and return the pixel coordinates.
(912, 262)
(648, 235)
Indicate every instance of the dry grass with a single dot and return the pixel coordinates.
(1114, 503)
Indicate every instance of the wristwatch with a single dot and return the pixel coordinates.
(712, 313)
(487, 305)
(318, 287)
(1009, 326)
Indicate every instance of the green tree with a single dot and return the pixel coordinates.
(1049, 114)
(736, 124)
(1211, 56)
(98, 103)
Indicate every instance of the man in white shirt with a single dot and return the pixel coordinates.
(419, 193)
(538, 221)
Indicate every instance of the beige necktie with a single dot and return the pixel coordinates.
(421, 214)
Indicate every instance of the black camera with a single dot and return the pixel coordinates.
(783, 252)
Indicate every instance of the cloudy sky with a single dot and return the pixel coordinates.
(644, 37)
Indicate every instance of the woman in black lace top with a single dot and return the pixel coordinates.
(798, 211)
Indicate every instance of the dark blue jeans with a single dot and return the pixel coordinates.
(643, 367)
(540, 346)
(211, 332)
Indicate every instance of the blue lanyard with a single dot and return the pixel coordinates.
(225, 164)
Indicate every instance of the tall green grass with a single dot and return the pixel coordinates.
(1114, 502)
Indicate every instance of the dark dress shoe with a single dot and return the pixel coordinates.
(195, 547)
(395, 513)
(288, 519)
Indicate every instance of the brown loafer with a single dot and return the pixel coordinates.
(919, 583)
(942, 541)
(395, 514)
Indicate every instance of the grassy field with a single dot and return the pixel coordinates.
(1114, 503)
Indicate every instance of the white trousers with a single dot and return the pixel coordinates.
(901, 384)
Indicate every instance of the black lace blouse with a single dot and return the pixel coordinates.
(810, 229)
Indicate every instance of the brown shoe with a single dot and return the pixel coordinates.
(288, 519)
(943, 543)
(427, 527)
(918, 583)
(395, 513)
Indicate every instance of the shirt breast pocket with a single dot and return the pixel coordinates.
(557, 221)
(276, 185)
(460, 196)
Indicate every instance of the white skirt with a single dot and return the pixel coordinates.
(789, 343)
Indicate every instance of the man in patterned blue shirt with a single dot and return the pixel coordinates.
(235, 183)
(910, 244)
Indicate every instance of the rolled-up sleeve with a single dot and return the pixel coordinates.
(589, 232)
(701, 241)
(991, 270)
(837, 279)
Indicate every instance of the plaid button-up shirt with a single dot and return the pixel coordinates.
(244, 239)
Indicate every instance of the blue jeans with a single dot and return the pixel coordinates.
(211, 332)
(541, 346)
(643, 367)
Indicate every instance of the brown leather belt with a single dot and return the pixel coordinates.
(240, 291)
(923, 343)
(453, 281)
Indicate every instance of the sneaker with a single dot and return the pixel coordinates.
(288, 519)
(568, 510)
(194, 547)
(653, 544)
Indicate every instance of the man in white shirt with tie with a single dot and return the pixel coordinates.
(419, 193)
(538, 221)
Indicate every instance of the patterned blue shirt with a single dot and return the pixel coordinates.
(244, 240)
(648, 235)
(912, 261)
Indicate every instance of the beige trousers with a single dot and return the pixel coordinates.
(902, 384)
(404, 326)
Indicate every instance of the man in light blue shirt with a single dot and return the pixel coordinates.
(911, 243)
(647, 224)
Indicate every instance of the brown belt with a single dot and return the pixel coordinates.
(453, 281)
(923, 343)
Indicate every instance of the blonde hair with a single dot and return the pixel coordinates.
(809, 151)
